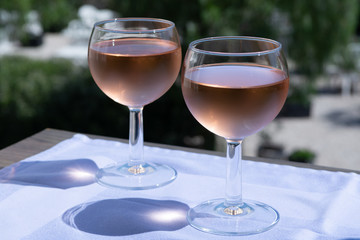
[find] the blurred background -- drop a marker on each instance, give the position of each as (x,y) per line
(45,81)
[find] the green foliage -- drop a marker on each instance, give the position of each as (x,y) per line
(238,17)
(168,120)
(186,14)
(302,155)
(38,94)
(24,83)
(33,94)
(319,31)
(300,94)
(55,14)
(19,6)
(200,18)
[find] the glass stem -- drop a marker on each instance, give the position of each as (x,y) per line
(233,174)
(136,138)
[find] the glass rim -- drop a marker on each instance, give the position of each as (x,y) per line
(134,19)
(193,44)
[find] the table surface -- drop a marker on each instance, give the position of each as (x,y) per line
(50,137)
(52,194)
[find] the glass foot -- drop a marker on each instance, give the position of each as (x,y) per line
(250,218)
(139,177)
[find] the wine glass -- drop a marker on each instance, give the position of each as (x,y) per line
(234,86)
(134,61)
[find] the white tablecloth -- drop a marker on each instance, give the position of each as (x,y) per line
(52,195)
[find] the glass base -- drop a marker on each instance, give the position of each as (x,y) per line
(139,177)
(250,218)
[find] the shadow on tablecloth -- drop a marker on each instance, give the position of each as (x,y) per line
(61,174)
(127,216)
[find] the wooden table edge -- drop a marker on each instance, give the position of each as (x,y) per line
(49,137)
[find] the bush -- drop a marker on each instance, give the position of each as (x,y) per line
(55,14)
(38,94)
(32,93)
(302,155)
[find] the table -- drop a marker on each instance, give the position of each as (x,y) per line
(37,201)
(50,137)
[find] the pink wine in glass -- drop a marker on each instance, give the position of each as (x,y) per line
(134,61)
(134,71)
(234,100)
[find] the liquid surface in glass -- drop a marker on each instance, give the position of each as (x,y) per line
(134,71)
(234,100)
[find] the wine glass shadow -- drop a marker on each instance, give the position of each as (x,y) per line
(61,174)
(127,216)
